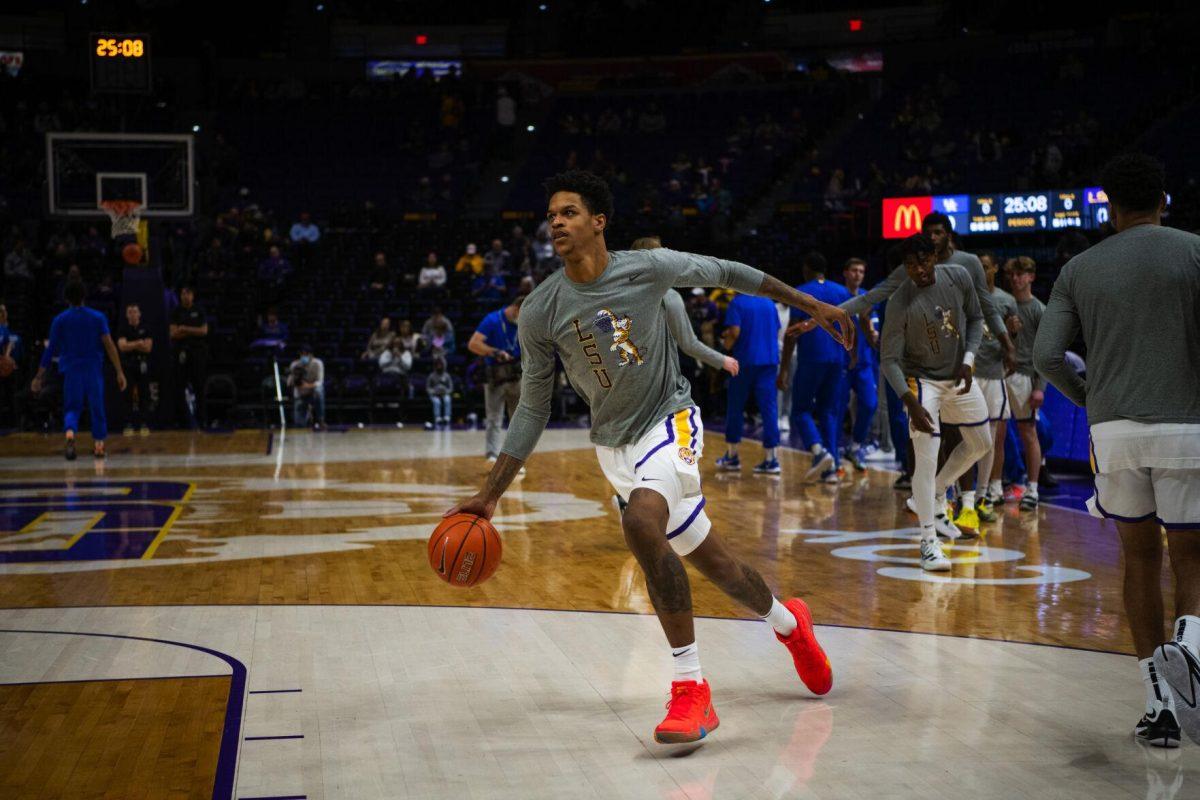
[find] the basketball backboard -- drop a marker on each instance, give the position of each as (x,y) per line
(155,169)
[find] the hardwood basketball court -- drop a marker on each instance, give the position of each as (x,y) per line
(249,615)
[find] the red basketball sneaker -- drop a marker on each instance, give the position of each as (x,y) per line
(690,714)
(811,662)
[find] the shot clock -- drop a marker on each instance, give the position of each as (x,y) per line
(120,63)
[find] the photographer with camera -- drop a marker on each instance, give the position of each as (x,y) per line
(496,340)
(306,376)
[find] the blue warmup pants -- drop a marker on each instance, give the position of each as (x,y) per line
(866,393)
(898,423)
(815,404)
(80,384)
(758,380)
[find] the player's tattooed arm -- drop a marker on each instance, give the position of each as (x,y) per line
(833,319)
(484,502)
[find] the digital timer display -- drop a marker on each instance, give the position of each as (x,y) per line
(120,63)
(120,48)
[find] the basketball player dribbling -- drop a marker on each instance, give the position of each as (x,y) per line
(603,314)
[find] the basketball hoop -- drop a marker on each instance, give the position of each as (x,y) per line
(124,215)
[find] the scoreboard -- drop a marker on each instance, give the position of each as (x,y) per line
(120,63)
(1020,212)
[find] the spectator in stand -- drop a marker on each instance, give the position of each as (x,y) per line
(396,359)
(411,340)
(272,328)
(215,261)
(381,339)
(545,260)
(439,385)
(189,337)
(381,274)
(498,258)
(520,250)
(304,235)
(272,272)
(433,275)
(135,344)
(19,265)
(10,344)
(306,376)
(470,262)
(489,288)
(438,334)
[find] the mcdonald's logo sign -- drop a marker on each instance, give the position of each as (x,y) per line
(902,215)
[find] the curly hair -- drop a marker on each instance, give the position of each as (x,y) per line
(1134,181)
(593,189)
(919,244)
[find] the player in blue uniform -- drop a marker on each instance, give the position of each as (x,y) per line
(862,374)
(79,337)
(820,364)
(752,334)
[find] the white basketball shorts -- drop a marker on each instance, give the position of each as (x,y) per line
(1147,471)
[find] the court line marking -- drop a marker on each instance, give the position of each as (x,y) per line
(273,691)
(235,706)
(162,534)
(269,738)
(575,611)
(110,680)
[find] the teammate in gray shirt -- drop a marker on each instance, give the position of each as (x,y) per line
(603,315)
(989,374)
(930,336)
(1135,297)
(1025,386)
(937,226)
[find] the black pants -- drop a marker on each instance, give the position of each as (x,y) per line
(136,397)
(192,370)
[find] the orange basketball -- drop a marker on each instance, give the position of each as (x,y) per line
(464,550)
(132,253)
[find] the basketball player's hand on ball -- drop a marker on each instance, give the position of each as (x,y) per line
(963,374)
(731,365)
(918,415)
(479,505)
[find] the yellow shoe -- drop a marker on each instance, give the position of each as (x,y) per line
(967,518)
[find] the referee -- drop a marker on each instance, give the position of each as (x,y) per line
(79,337)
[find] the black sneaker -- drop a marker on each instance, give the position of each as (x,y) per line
(903,483)
(1047,480)
(1181,669)
(70,450)
(1161,730)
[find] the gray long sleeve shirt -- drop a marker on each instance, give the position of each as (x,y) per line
(685,337)
(1030,311)
(927,332)
(614,342)
(989,361)
(1136,298)
(968,261)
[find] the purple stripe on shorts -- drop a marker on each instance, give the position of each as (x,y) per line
(691,518)
(670,438)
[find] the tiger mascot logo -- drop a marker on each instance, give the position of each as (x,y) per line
(608,322)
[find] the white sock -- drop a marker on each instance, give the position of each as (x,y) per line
(1187,633)
(817,449)
(928,534)
(996,489)
(730,450)
(770,454)
(779,618)
(1158,694)
(687,663)
(969,499)
(1031,488)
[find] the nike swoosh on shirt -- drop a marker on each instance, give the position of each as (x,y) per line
(651,479)
(634,277)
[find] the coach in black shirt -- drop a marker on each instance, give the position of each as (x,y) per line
(189,338)
(135,343)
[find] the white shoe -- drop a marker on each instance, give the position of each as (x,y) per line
(521,471)
(492,459)
(932,557)
(911,504)
(945,528)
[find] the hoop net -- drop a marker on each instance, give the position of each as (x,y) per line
(124,215)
